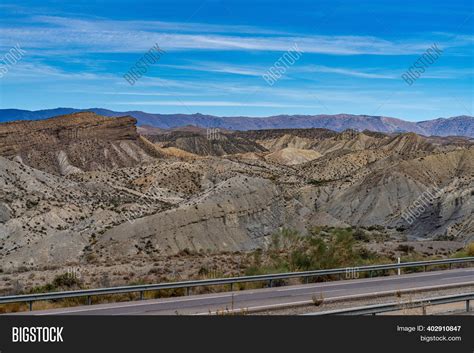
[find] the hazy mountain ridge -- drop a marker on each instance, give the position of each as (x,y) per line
(454,126)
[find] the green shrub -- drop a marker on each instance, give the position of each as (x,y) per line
(66,280)
(317,182)
(470,249)
(323,248)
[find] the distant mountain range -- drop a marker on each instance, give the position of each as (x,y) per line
(454,126)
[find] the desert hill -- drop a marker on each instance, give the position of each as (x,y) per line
(77,142)
(85,188)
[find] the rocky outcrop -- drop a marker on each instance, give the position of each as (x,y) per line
(74,143)
(206,143)
(19,136)
(4,212)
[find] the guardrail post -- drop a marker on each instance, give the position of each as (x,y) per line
(306,280)
(30,304)
(142,294)
(468,305)
(270,283)
(231,287)
(188,290)
(89,300)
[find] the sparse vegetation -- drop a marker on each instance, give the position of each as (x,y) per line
(405,248)
(328,248)
(467,251)
(64,281)
(318,300)
(317,182)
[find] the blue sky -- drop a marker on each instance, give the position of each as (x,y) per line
(353,56)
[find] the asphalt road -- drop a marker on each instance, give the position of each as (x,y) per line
(260,298)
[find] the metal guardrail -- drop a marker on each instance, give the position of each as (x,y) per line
(387,307)
(352,271)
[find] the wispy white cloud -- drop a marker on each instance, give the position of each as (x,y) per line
(158,26)
(346,72)
(103,36)
(216,104)
(368,73)
(38,70)
(153,94)
(219,67)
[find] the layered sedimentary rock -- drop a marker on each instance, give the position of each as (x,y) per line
(107,193)
(236,214)
(71,143)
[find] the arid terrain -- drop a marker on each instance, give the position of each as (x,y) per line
(462,125)
(100,192)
